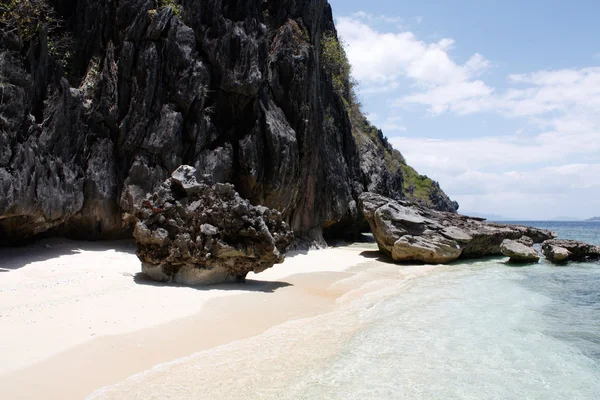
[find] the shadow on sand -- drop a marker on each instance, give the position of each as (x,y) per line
(377,255)
(249,285)
(12,258)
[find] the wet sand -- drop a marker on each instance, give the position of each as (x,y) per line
(75,316)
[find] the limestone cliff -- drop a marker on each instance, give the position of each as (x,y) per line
(101,100)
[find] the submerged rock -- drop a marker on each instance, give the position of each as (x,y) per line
(198,233)
(411,233)
(560,251)
(519,252)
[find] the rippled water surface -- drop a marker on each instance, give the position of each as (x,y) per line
(478,330)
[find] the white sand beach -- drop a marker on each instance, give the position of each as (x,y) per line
(77,316)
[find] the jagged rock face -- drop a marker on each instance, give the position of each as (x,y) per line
(410,233)
(378,178)
(237,91)
(519,252)
(197,233)
(441,201)
(560,251)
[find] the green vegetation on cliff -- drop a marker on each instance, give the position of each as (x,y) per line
(336,63)
(175,7)
(371,142)
(23,19)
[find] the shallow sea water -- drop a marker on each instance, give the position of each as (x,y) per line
(477,330)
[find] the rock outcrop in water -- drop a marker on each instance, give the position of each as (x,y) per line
(520,252)
(198,233)
(560,251)
(238,89)
(411,233)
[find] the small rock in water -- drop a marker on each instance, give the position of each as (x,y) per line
(519,252)
(561,251)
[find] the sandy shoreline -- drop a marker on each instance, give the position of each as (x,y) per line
(77,316)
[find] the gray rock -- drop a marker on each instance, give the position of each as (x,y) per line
(526,240)
(185,178)
(557,255)
(232,87)
(208,230)
(561,251)
(410,233)
(519,252)
(206,235)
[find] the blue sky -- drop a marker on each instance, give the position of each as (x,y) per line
(499,101)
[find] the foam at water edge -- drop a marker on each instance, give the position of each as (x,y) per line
(468,331)
(276,357)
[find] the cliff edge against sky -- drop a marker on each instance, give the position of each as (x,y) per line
(102,100)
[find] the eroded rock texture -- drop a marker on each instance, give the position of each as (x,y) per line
(560,251)
(520,251)
(234,88)
(410,233)
(198,233)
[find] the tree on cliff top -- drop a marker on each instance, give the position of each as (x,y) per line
(25,18)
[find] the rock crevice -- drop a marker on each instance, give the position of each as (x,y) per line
(191,231)
(411,233)
(236,89)
(561,251)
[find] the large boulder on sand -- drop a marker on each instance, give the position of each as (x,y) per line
(561,251)
(411,233)
(519,252)
(196,233)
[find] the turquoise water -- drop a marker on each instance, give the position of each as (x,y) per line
(482,330)
(585,231)
(477,330)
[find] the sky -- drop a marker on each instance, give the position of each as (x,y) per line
(499,101)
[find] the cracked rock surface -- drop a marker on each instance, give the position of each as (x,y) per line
(410,233)
(194,232)
(234,88)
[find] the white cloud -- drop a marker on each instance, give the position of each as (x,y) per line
(532,95)
(556,168)
(382,59)
(497,152)
(462,96)
(548,166)
(531,194)
(393,124)
(362,15)
(373,117)
(419,19)
(477,64)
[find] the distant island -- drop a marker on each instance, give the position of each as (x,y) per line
(594,219)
